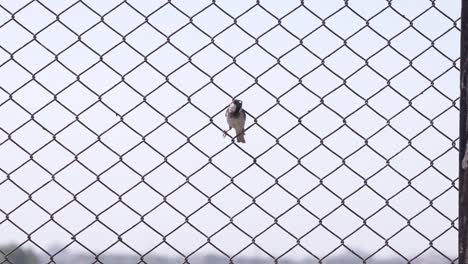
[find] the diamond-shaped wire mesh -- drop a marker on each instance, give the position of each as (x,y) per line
(112,113)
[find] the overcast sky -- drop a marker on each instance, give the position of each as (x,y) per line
(98,98)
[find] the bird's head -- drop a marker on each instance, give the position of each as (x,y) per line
(235,106)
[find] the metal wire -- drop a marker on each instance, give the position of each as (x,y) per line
(138,56)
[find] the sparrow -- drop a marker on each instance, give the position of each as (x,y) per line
(235,117)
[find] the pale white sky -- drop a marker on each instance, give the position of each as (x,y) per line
(56,63)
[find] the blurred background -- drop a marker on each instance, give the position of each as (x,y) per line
(111,124)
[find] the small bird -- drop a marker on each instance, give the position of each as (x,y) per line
(235,117)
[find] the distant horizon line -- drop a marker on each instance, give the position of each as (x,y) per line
(338,254)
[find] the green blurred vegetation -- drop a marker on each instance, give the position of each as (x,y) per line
(17,255)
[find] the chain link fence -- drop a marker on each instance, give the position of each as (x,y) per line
(111,120)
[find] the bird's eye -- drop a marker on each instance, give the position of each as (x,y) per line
(240,101)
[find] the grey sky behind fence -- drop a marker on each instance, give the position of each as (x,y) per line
(75,72)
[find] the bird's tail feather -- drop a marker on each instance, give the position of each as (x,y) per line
(240,136)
